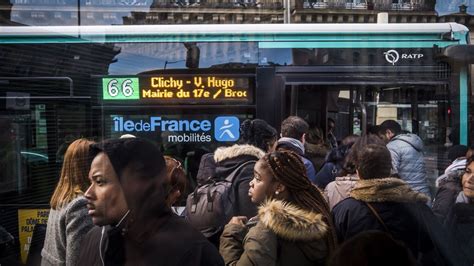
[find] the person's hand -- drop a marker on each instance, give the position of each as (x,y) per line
(240,220)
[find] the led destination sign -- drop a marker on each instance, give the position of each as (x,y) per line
(200,89)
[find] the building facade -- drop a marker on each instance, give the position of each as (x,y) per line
(113,12)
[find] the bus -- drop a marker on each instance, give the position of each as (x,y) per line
(186,87)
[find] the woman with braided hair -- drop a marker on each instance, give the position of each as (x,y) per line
(293,225)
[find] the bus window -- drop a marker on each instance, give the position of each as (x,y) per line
(13,175)
(421,110)
(316,104)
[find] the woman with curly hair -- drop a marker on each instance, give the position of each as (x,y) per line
(293,225)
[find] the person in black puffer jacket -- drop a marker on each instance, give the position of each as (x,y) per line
(255,132)
(388,204)
(257,137)
(334,162)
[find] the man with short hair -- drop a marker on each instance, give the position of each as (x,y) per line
(127,199)
(380,202)
(293,132)
(406,151)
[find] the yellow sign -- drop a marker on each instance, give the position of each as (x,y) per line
(196,88)
(27,219)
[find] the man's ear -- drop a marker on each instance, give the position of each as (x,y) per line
(389,133)
(303,138)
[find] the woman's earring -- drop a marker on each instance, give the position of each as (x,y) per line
(277,192)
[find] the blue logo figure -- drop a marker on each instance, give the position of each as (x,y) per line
(226,128)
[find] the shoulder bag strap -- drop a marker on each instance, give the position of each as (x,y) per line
(375,213)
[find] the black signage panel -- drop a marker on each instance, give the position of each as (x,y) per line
(180,89)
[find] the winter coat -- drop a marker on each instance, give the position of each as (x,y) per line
(297,147)
(172,242)
(405,214)
(456,167)
(282,234)
(332,166)
(149,233)
(65,231)
(227,160)
(339,189)
(408,161)
(449,188)
(207,168)
(460,223)
(316,153)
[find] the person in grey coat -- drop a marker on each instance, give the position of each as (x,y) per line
(406,151)
(68,221)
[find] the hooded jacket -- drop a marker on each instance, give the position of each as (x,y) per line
(449,188)
(227,160)
(332,166)
(282,234)
(404,213)
(408,161)
(149,233)
(339,189)
(456,167)
(207,168)
(172,242)
(297,147)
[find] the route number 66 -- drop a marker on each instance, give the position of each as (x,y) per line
(127,90)
(120,88)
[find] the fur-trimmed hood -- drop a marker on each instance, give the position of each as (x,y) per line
(386,190)
(223,153)
(290,222)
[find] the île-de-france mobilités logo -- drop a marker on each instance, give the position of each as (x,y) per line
(226,128)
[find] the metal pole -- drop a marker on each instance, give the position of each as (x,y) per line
(287,11)
(79,13)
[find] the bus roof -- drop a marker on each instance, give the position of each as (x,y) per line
(236,29)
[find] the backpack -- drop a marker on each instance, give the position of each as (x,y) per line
(211,206)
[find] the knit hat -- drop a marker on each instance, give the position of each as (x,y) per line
(456,151)
(123,152)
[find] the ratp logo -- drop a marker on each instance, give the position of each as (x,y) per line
(226,128)
(391,56)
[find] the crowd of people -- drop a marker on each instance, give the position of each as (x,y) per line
(300,197)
